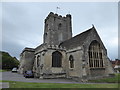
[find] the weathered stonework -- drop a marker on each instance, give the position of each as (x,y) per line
(81,57)
(26,60)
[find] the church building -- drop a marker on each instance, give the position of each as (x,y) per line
(83,56)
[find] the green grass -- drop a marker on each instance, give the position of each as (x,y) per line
(111,83)
(14,84)
(1,70)
(115,79)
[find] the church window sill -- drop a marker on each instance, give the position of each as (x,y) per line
(100,68)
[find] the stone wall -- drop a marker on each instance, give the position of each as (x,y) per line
(107,69)
(47,71)
(53,72)
(76,71)
(57,29)
(26,60)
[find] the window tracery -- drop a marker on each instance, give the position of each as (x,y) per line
(95,55)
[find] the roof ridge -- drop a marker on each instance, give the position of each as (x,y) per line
(77,40)
(78,34)
(84,32)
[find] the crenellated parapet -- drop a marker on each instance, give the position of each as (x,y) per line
(57,47)
(51,14)
(42,48)
(57,29)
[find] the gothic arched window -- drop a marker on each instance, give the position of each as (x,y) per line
(71,61)
(38,60)
(56,59)
(95,55)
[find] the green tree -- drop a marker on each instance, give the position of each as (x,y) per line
(8,62)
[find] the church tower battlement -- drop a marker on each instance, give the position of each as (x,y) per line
(57,29)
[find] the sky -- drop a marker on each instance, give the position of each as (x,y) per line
(23,23)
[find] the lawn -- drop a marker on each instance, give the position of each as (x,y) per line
(111,83)
(115,79)
(14,84)
(1,70)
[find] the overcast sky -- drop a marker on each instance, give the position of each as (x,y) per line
(23,23)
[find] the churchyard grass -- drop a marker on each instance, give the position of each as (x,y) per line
(100,83)
(14,84)
(1,70)
(115,79)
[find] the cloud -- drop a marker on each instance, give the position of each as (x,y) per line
(23,23)
(13,48)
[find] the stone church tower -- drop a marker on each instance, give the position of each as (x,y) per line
(57,29)
(83,56)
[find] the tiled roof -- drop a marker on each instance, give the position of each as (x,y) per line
(77,40)
(116,62)
(40,46)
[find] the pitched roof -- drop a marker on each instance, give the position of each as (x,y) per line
(116,62)
(77,40)
(28,49)
(40,46)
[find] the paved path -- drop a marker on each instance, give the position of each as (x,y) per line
(18,77)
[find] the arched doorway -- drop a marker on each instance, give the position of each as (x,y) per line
(56,59)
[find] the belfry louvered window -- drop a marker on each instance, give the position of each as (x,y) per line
(95,55)
(56,59)
(60,26)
